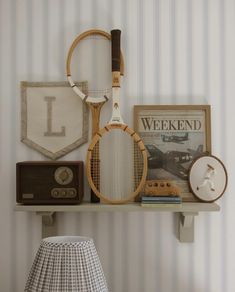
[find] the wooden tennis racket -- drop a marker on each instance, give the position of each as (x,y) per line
(89,59)
(122,165)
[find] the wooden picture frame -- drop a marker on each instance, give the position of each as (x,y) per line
(174,135)
(208,178)
(54,121)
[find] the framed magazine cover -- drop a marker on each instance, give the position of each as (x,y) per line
(174,135)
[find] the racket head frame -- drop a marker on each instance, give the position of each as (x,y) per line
(75,88)
(96,139)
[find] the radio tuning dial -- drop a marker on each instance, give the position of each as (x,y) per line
(63,175)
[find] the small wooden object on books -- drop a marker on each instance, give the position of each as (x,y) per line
(160,188)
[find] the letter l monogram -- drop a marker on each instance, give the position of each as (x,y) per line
(49,132)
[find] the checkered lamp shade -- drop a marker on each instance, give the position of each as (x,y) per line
(66,263)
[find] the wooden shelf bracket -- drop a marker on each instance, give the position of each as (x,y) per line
(49,226)
(186,226)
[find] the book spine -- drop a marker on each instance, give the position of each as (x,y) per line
(160,202)
(161,199)
(161,205)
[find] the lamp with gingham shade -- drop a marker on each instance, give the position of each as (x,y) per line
(66,263)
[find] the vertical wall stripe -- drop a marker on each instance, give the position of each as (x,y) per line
(156,57)
(190,280)
(140,83)
(189,52)
(126,274)
(125,49)
(45,40)
(94,13)
(29,54)
(1,88)
(173,38)
(77,18)
(140,51)
(34,46)
(110,250)
(158,275)
(94,23)
(157,100)
(61,40)
(30,59)
(173,93)
(12,124)
(206,51)
(223,106)
(110,223)
(207,96)
(94,216)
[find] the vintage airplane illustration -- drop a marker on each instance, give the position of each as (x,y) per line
(198,152)
(172,161)
(175,138)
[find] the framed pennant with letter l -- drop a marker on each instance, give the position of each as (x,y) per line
(53,120)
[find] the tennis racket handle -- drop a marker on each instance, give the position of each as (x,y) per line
(94,198)
(116,44)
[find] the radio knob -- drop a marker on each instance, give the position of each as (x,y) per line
(63,193)
(55,193)
(72,193)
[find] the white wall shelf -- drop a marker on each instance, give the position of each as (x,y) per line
(186,212)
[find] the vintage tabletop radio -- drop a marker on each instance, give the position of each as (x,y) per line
(49,182)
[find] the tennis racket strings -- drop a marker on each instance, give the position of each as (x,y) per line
(90,61)
(121,165)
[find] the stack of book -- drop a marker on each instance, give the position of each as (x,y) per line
(157,201)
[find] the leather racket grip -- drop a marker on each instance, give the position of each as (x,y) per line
(94,198)
(116,45)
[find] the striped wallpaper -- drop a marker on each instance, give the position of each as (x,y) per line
(176,52)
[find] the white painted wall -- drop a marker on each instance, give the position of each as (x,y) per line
(176,52)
